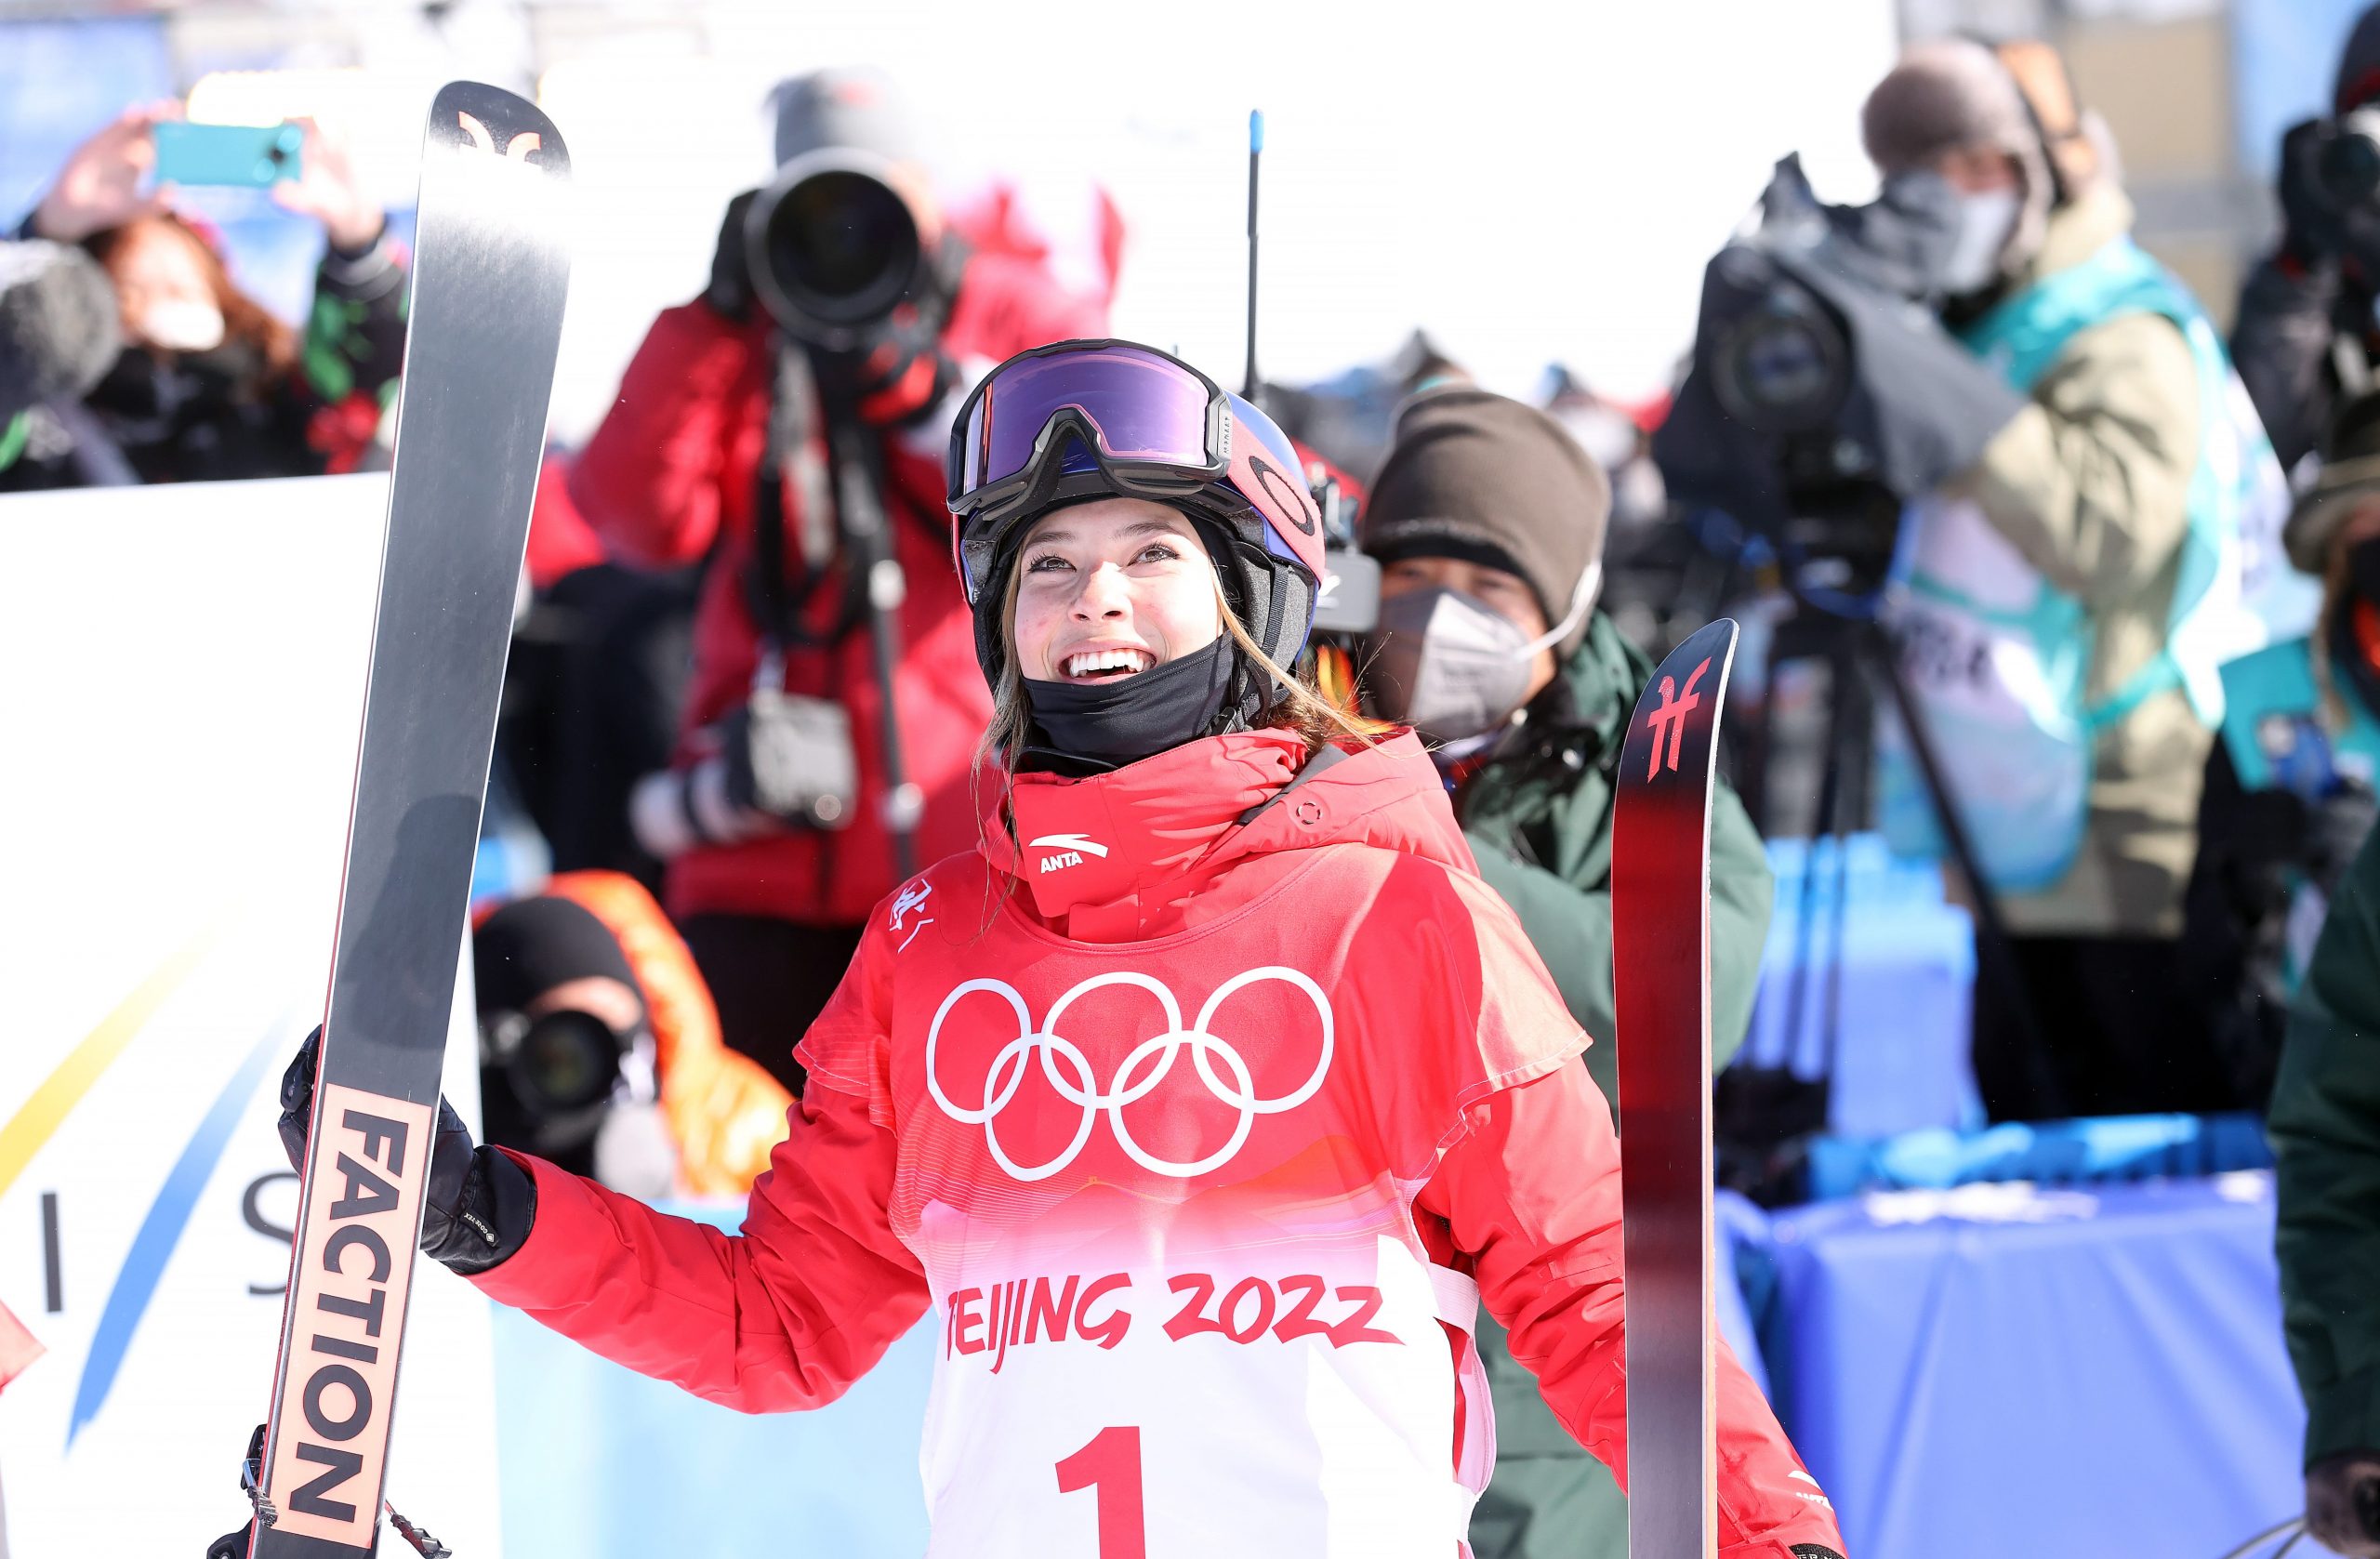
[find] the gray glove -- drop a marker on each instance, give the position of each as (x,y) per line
(479,1205)
(2342,1503)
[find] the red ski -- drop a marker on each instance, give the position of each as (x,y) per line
(1660,946)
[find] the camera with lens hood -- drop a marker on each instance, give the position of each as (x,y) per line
(558,1072)
(1823,393)
(834,248)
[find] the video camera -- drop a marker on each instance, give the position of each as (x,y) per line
(1823,392)
(834,248)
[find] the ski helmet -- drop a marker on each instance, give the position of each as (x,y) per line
(1087,419)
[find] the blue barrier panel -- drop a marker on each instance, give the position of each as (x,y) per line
(598,1463)
(2065,1374)
(1896,989)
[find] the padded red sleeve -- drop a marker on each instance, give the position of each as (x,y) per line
(653,479)
(784,1315)
(1532,1194)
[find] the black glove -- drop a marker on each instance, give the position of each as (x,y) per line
(479,1205)
(789,757)
(2342,1503)
(730,273)
(2314,230)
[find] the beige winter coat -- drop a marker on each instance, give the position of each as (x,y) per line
(2090,483)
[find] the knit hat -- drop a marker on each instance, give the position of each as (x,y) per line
(2348,480)
(1490,481)
(855,108)
(531,945)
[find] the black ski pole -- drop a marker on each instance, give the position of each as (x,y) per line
(1255,155)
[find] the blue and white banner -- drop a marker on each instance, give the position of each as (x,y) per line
(183,693)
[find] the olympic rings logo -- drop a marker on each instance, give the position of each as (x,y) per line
(1148,1064)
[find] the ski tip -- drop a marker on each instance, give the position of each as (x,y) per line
(1255,130)
(473,115)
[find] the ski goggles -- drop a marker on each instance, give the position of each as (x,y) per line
(1150,424)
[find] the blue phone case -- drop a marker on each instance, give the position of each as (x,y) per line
(254,155)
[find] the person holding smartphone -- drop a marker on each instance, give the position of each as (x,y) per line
(208,384)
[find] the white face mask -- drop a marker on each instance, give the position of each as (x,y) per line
(183,324)
(1985,223)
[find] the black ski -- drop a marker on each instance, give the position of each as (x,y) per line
(1661,945)
(489,275)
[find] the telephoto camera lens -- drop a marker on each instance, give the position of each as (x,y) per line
(561,1061)
(1782,368)
(2349,167)
(834,248)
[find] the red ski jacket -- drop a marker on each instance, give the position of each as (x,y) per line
(673,471)
(1203,1110)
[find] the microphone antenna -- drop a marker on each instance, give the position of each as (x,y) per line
(1255,155)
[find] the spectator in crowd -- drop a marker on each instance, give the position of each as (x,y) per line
(1348,420)
(209,385)
(58,334)
(2289,787)
(2325,1130)
(1487,520)
(600,1048)
(772,869)
(2053,589)
(2308,306)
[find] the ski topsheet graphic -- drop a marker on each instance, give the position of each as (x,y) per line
(1661,944)
(489,275)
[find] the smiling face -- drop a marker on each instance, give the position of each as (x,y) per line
(1107,589)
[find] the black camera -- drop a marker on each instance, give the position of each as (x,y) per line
(559,1070)
(1823,391)
(834,248)
(2347,159)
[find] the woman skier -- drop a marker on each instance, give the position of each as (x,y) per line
(1203,1104)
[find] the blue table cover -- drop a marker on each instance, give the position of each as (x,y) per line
(2000,1369)
(1898,986)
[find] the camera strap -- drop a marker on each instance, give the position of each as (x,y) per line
(790,458)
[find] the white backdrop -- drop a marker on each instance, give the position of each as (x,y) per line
(182,682)
(1529,182)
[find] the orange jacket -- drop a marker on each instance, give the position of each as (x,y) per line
(723,1108)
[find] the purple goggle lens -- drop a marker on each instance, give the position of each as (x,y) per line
(1141,407)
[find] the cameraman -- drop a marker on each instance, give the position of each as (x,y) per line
(717,447)
(2307,312)
(2046,586)
(1487,520)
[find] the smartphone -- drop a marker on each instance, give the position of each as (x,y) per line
(254,155)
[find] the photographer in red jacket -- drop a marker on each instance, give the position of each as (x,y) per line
(790,425)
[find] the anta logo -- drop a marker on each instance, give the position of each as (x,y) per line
(1070,848)
(1219,1070)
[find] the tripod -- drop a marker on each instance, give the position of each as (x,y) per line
(1763,1109)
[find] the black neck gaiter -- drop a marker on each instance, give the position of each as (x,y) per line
(1132,717)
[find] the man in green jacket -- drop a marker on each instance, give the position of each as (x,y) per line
(1487,521)
(2325,1130)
